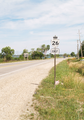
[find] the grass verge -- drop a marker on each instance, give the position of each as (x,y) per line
(65,101)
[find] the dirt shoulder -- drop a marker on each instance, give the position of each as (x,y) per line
(16,90)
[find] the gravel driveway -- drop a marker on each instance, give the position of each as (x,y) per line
(16,90)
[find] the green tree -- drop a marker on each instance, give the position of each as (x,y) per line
(45,48)
(24,51)
(37,55)
(72,54)
(48,47)
(64,55)
(32,49)
(51,55)
(1,55)
(82,49)
(21,57)
(7,52)
(38,49)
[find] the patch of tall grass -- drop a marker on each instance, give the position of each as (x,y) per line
(64,101)
(77,66)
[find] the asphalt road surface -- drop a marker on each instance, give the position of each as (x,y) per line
(8,68)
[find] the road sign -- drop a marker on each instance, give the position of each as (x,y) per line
(55,42)
(25,54)
(55,51)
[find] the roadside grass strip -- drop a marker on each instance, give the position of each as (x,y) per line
(63,102)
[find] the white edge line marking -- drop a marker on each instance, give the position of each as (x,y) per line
(22,69)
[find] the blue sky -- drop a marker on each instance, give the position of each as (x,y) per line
(26,24)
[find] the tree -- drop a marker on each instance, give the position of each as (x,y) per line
(64,55)
(72,54)
(37,55)
(45,48)
(82,49)
(1,56)
(48,47)
(32,50)
(38,49)
(7,52)
(25,51)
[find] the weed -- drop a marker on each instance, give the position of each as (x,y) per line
(60,103)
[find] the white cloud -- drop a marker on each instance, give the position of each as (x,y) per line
(45,13)
(31,32)
(23,15)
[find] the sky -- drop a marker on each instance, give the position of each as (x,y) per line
(26,24)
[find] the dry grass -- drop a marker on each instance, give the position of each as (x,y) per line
(77,66)
(63,102)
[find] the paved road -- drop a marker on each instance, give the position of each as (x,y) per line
(8,68)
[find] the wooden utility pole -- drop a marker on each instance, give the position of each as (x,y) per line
(77,50)
(80,43)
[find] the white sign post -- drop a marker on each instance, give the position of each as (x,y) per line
(55,50)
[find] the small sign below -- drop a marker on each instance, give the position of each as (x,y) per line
(55,51)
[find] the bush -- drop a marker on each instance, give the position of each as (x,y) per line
(37,55)
(21,57)
(8,57)
(1,60)
(81,70)
(29,57)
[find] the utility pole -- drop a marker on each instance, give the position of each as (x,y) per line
(80,43)
(77,50)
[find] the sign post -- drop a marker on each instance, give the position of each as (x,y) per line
(55,50)
(54,68)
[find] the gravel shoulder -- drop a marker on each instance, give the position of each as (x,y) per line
(16,90)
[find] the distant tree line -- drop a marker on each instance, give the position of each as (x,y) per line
(79,52)
(72,54)
(7,53)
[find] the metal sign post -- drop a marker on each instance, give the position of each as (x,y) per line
(55,50)
(54,68)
